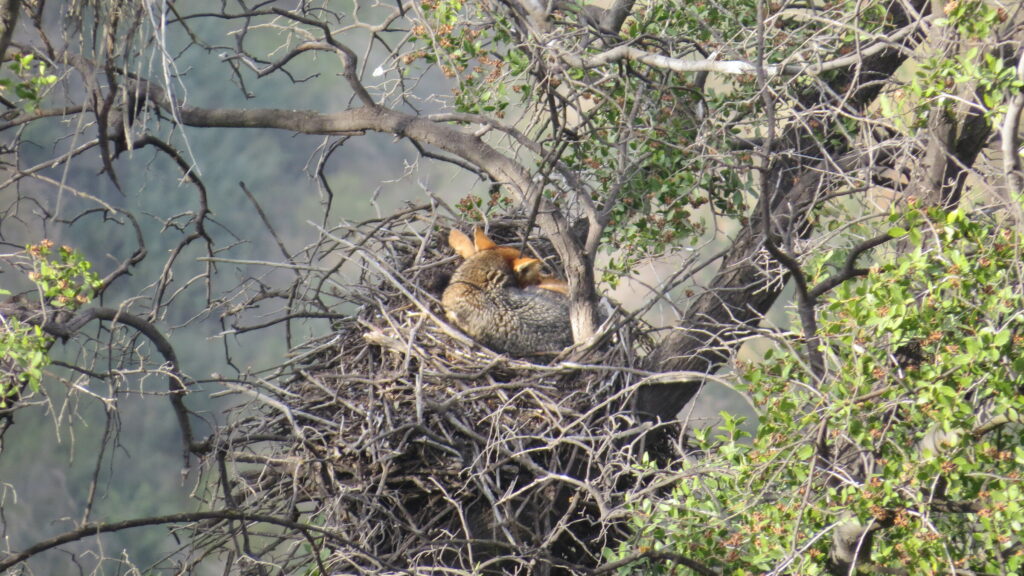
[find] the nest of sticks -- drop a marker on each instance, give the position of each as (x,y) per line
(418,450)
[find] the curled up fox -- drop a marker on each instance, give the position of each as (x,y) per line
(503,300)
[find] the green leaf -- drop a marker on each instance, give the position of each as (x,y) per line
(805,452)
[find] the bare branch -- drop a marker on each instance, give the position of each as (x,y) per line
(1011,138)
(91,529)
(739,67)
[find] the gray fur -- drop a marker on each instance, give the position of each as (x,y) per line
(484,301)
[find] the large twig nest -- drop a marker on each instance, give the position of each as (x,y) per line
(419,447)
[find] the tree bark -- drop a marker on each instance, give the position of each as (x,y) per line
(9,10)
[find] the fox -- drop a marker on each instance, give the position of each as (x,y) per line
(504,301)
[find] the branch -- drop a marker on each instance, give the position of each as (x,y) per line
(488,123)
(189,174)
(176,381)
(348,57)
(91,529)
(1010,141)
(739,67)
(629,52)
(138,255)
(656,555)
(9,10)
(994,424)
(806,303)
(957,507)
(849,271)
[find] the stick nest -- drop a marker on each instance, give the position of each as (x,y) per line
(418,450)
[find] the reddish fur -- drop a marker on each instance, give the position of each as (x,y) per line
(527,270)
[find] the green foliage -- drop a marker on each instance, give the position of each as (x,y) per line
(66,281)
(973,19)
(925,380)
(464,51)
(939,77)
(942,76)
(66,278)
(29,82)
(24,349)
(477,209)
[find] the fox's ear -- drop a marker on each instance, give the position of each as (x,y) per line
(482,241)
(526,265)
(461,243)
(527,271)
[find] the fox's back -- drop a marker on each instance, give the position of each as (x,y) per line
(484,301)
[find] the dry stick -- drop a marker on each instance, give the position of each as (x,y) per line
(126,265)
(190,175)
(176,381)
(266,222)
(96,528)
(94,480)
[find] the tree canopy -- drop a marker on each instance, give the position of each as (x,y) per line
(236,214)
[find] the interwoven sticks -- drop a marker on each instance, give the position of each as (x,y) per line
(417,447)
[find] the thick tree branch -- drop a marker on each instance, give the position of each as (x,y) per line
(9,10)
(1011,139)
